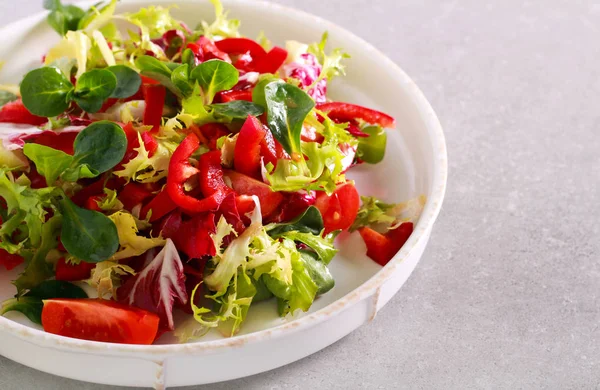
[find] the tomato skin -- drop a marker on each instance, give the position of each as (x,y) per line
(71,272)
(382,248)
(245,185)
(99,320)
(339,209)
(246,158)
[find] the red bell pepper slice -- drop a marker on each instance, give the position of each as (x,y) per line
(180,170)
(246,158)
(73,272)
(154,96)
(133,194)
(241,46)
(15,112)
(211,51)
(160,205)
(9,260)
(271,150)
(211,133)
(211,175)
(228,96)
(272,61)
(150,143)
(348,112)
(382,248)
(245,185)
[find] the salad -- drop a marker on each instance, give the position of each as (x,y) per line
(168,168)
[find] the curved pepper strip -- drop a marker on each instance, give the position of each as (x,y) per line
(347,112)
(180,170)
(241,46)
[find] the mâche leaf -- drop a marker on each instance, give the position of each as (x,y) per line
(128,81)
(46,91)
(93,88)
(88,235)
(215,76)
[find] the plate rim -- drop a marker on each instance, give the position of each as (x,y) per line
(429,215)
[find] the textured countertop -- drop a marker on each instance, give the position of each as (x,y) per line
(507,294)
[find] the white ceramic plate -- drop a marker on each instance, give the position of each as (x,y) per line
(415,164)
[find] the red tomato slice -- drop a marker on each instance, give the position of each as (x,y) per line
(339,209)
(99,320)
(245,185)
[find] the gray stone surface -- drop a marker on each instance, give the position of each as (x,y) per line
(508,292)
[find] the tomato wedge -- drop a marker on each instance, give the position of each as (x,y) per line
(99,320)
(245,185)
(339,209)
(349,112)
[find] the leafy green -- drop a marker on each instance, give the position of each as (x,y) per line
(236,109)
(31,304)
(93,87)
(310,221)
(318,272)
(371,149)
(129,242)
(300,294)
(49,162)
(7,97)
(287,107)
(100,146)
(373,211)
(26,211)
(46,91)
(157,20)
(215,76)
(106,278)
(145,169)
(63,18)
(86,234)
(331,63)
(222,27)
(180,78)
(96,18)
(157,70)
(323,246)
(72,51)
(384,216)
(322,170)
(37,269)
(128,81)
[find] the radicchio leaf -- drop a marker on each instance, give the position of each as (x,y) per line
(158,285)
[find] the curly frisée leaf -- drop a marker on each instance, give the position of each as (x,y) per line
(222,27)
(158,285)
(106,278)
(145,169)
(130,243)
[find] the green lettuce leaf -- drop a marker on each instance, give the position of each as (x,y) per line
(331,63)
(221,27)
(384,216)
(156,19)
(145,169)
